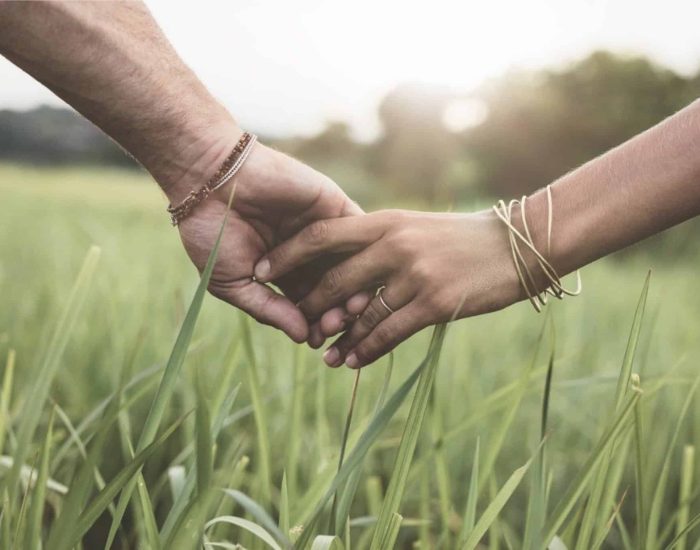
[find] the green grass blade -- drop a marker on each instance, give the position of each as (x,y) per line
(349,490)
(402,462)
(205,446)
(5,396)
(259,514)
(412,427)
(495,506)
(639,469)
(36,509)
(179,507)
(170,375)
(687,468)
(335,527)
(48,367)
(604,533)
(595,513)
(500,432)
(376,426)
(472,498)
(656,507)
(580,481)
(264,477)
(692,524)
(249,526)
(99,504)
(83,479)
(284,524)
(327,542)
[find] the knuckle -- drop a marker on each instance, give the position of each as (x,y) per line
(371,317)
(382,337)
(422,271)
(316,233)
(332,282)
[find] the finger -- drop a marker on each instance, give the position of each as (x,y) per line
(386,336)
(338,319)
(316,338)
(388,303)
(366,269)
(321,237)
(265,306)
(334,321)
(356,304)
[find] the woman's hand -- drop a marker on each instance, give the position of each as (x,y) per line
(434,267)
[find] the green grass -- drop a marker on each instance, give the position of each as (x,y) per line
(242,444)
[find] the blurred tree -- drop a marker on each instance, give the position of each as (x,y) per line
(415,152)
(48,135)
(543,124)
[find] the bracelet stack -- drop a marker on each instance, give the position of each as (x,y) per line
(537,298)
(228,169)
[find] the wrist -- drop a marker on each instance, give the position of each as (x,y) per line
(196,158)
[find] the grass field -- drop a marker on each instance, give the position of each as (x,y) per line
(615,470)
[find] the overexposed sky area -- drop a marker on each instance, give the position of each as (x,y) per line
(285,67)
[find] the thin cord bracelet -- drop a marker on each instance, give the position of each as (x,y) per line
(538,299)
(226,171)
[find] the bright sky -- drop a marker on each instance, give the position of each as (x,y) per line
(285,67)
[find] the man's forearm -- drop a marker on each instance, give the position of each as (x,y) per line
(112,63)
(646,185)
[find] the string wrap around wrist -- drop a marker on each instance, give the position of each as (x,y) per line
(225,173)
(538,298)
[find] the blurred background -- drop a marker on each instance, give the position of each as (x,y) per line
(433,105)
(440,105)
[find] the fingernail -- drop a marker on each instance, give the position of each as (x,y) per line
(352,361)
(262,270)
(331,356)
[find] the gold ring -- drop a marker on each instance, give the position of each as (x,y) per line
(381,299)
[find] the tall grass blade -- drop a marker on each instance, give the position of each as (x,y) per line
(495,506)
(327,542)
(264,476)
(48,366)
(36,509)
(170,375)
(472,497)
(684,494)
(402,462)
(179,507)
(376,426)
(595,513)
(284,521)
(99,504)
(249,526)
(343,445)
(659,492)
(204,443)
(259,514)
(578,485)
(348,491)
(5,396)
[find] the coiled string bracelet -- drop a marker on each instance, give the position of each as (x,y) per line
(228,169)
(538,299)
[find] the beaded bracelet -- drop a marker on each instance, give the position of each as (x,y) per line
(228,169)
(538,299)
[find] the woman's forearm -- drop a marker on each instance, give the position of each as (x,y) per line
(112,63)
(646,185)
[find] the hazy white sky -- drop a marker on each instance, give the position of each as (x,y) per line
(285,67)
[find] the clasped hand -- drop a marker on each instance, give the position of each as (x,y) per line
(431,268)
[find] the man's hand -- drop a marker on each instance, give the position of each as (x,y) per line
(112,63)
(275,196)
